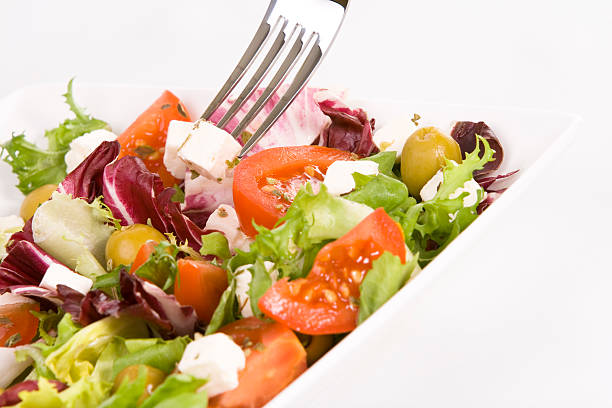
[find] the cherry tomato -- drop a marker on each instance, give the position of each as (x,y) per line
(266,183)
(34,199)
(200,284)
(17,325)
(146,137)
(324,301)
(124,245)
(143,255)
(153,378)
(275,357)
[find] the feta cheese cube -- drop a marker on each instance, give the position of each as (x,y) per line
(177,134)
(208,150)
(58,274)
(339,177)
(216,358)
(225,220)
(392,136)
(83,146)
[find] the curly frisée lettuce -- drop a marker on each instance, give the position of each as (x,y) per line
(35,166)
(430,226)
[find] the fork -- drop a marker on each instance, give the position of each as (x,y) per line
(300,30)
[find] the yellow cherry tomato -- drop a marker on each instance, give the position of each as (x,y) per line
(423,155)
(34,199)
(154,377)
(123,245)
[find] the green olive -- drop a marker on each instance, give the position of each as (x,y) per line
(34,199)
(423,155)
(154,377)
(317,346)
(123,245)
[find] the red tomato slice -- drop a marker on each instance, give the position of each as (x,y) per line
(200,284)
(146,137)
(275,357)
(266,183)
(323,302)
(17,325)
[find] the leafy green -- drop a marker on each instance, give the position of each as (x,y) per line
(178,390)
(74,232)
(441,219)
(76,358)
(128,393)
(386,161)
(379,191)
(260,283)
(158,353)
(226,311)
(109,280)
(161,267)
(36,167)
(179,195)
(215,244)
(387,276)
(311,220)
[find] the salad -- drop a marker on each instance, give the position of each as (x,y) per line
(153,268)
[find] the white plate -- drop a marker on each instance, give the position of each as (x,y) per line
(530,138)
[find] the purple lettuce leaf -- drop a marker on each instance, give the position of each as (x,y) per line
(140,298)
(137,196)
(350,130)
(25,234)
(11,395)
(465,132)
(86,180)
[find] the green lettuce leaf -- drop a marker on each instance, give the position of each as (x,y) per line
(226,311)
(76,358)
(161,268)
(178,390)
(35,166)
(387,276)
(386,161)
(155,352)
(260,283)
(441,219)
(379,191)
(215,244)
(128,393)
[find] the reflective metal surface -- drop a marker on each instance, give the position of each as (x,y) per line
(279,47)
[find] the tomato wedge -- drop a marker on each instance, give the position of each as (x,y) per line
(146,137)
(275,357)
(17,325)
(200,284)
(266,183)
(143,255)
(324,301)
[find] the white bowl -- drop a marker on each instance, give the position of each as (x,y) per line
(530,138)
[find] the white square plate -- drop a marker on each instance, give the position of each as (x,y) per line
(530,138)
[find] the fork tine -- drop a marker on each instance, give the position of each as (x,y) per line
(245,62)
(271,57)
(306,70)
(292,57)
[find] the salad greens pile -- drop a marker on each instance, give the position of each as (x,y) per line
(35,166)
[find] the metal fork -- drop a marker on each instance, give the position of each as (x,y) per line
(301,31)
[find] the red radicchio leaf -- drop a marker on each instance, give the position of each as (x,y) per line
(25,234)
(350,129)
(491,196)
(465,133)
(86,180)
(11,395)
(25,264)
(486,182)
(135,195)
(140,298)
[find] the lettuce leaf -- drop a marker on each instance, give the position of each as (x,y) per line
(215,244)
(161,267)
(178,390)
(387,276)
(379,191)
(158,353)
(226,311)
(36,167)
(430,226)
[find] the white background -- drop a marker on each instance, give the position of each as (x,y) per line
(553,54)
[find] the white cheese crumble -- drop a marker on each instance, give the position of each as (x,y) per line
(58,274)
(208,150)
(225,220)
(83,146)
(177,134)
(9,366)
(392,136)
(216,358)
(339,177)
